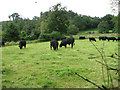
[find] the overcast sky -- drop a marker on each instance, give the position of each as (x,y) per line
(31,8)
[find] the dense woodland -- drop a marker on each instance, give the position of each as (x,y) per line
(54,24)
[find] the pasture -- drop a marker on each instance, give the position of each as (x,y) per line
(39,67)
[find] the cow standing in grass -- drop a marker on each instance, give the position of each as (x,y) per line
(92,39)
(2,43)
(22,43)
(112,38)
(118,39)
(103,38)
(81,38)
(67,41)
(54,44)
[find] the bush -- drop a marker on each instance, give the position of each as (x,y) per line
(103,27)
(56,35)
(44,37)
(30,37)
(50,36)
(23,35)
(72,30)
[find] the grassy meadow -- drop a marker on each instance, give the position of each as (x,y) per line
(39,67)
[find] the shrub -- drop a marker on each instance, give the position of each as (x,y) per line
(56,35)
(72,30)
(50,36)
(44,37)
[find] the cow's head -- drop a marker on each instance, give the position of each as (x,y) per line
(20,45)
(54,48)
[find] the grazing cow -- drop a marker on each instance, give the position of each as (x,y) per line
(102,38)
(67,41)
(22,43)
(92,39)
(63,38)
(54,44)
(118,39)
(81,37)
(2,43)
(111,38)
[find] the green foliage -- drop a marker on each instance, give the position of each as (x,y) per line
(43,27)
(78,22)
(56,35)
(11,33)
(44,37)
(14,16)
(72,29)
(115,20)
(51,36)
(103,27)
(23,35)
(72,14)
(58,19)
(84,22)
(109,18)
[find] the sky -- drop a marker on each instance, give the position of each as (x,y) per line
(31,8)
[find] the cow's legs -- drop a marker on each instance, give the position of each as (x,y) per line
(25,46)
(72,45)
(51,47)
(65,46)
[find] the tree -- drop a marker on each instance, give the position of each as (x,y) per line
(14,16)
(72,14)
(72,29)
(79,22)
(11,33)
(103,27)
(95,22)
(108,18)
(58,19)
(23,35)
(115,20)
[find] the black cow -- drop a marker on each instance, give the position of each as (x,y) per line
(92,39)
(81,37)
(63,38)
(103,38)
(67,41)
(118,39)
(2,43)
(22,43)
(111,38)
(54,44)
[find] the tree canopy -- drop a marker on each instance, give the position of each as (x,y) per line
(57,19)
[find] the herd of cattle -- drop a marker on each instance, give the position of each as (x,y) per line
(102,38)
(65,41)
(54,43)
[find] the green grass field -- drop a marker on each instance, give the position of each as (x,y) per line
(88,31)
(39,67)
